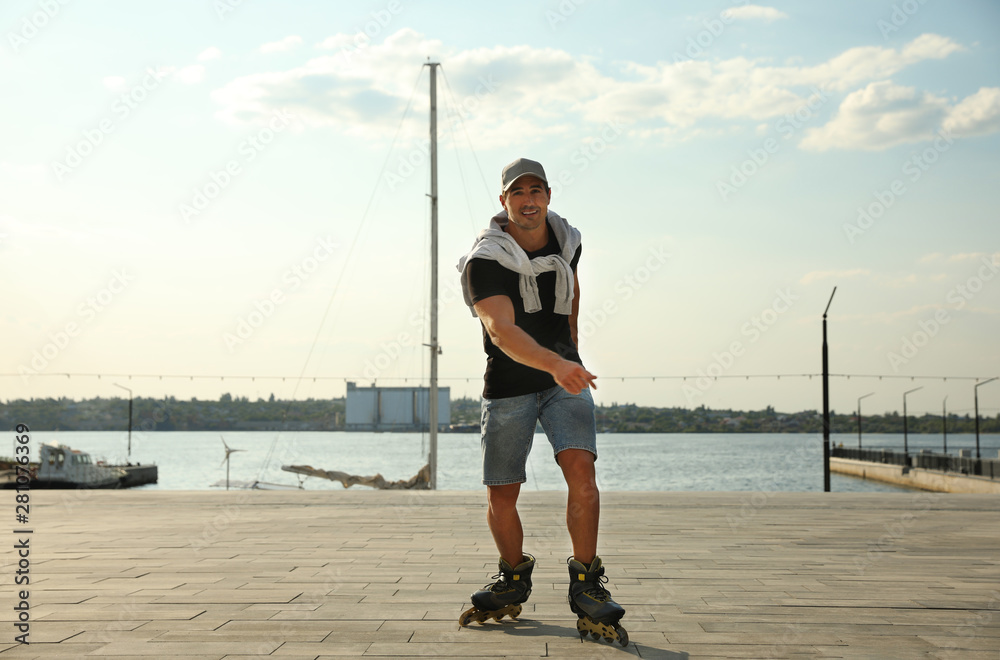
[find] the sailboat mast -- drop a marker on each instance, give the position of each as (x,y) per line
(432,416)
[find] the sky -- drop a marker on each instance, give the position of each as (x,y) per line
(231,196)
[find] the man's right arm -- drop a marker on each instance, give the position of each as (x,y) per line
(497,315)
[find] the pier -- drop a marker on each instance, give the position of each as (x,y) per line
(361,573)
(926,470)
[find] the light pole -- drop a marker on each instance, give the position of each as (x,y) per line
(859,417)
(826,402)
(129,418)
(906,447)
(975,391)
(944,422)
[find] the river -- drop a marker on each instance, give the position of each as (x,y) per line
(627,462)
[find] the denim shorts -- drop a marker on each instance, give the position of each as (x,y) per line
(508,429)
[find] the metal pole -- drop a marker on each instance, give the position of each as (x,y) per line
(129,419)
(906,446)
(826,402)
(975,391)
(859,417)
(944,422)
(130,426)
(433,398)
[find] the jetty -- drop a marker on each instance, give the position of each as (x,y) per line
(322,574)
(925,470)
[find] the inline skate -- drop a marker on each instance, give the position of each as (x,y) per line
(503,597)
(591,602)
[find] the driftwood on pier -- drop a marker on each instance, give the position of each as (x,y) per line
(421,481)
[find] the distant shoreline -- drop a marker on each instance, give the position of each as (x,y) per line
(241,414)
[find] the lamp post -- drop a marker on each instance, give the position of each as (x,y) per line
(944,422)
(826,402)
(975,391)
(906,446)
(129,418)
(859,417)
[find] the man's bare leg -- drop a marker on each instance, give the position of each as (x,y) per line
(583,505)
(505,523)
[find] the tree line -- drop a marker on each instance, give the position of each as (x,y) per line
(230,413)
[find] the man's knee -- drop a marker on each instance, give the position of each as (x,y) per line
(503,498)
(576,463)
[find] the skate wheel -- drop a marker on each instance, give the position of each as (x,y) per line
(610,632)
(513,611)
(467,617)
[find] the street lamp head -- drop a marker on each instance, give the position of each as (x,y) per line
(976,386)
(830,301)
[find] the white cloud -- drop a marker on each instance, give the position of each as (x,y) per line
(862,64)
(191,75)
(114,83)
(819,275)
(880,116)
(363,90)
(967,256)
(756,12)
(884,317)
(24,232)
(884,115)
(212,53)
(977,114)
(288,43)
(919,311)
(901,281)
(35,173)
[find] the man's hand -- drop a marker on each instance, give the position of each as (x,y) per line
(572,377)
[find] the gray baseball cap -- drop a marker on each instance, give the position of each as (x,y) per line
(522,167)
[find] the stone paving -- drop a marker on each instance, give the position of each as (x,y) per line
(362,573)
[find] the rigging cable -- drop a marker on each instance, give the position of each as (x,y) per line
(465,130)
(347,260)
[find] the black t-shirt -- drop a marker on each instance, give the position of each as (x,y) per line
(506,377)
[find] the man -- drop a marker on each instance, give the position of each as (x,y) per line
(520,280)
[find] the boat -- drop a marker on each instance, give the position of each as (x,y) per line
(61,466)
(136,474)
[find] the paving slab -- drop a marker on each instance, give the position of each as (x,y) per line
(361,573)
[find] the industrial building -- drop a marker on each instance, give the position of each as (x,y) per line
(394,408)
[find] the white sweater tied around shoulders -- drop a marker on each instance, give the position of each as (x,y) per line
(496,244)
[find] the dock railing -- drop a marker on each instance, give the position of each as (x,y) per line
(925,459)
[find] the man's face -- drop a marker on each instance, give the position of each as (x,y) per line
(527,202)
